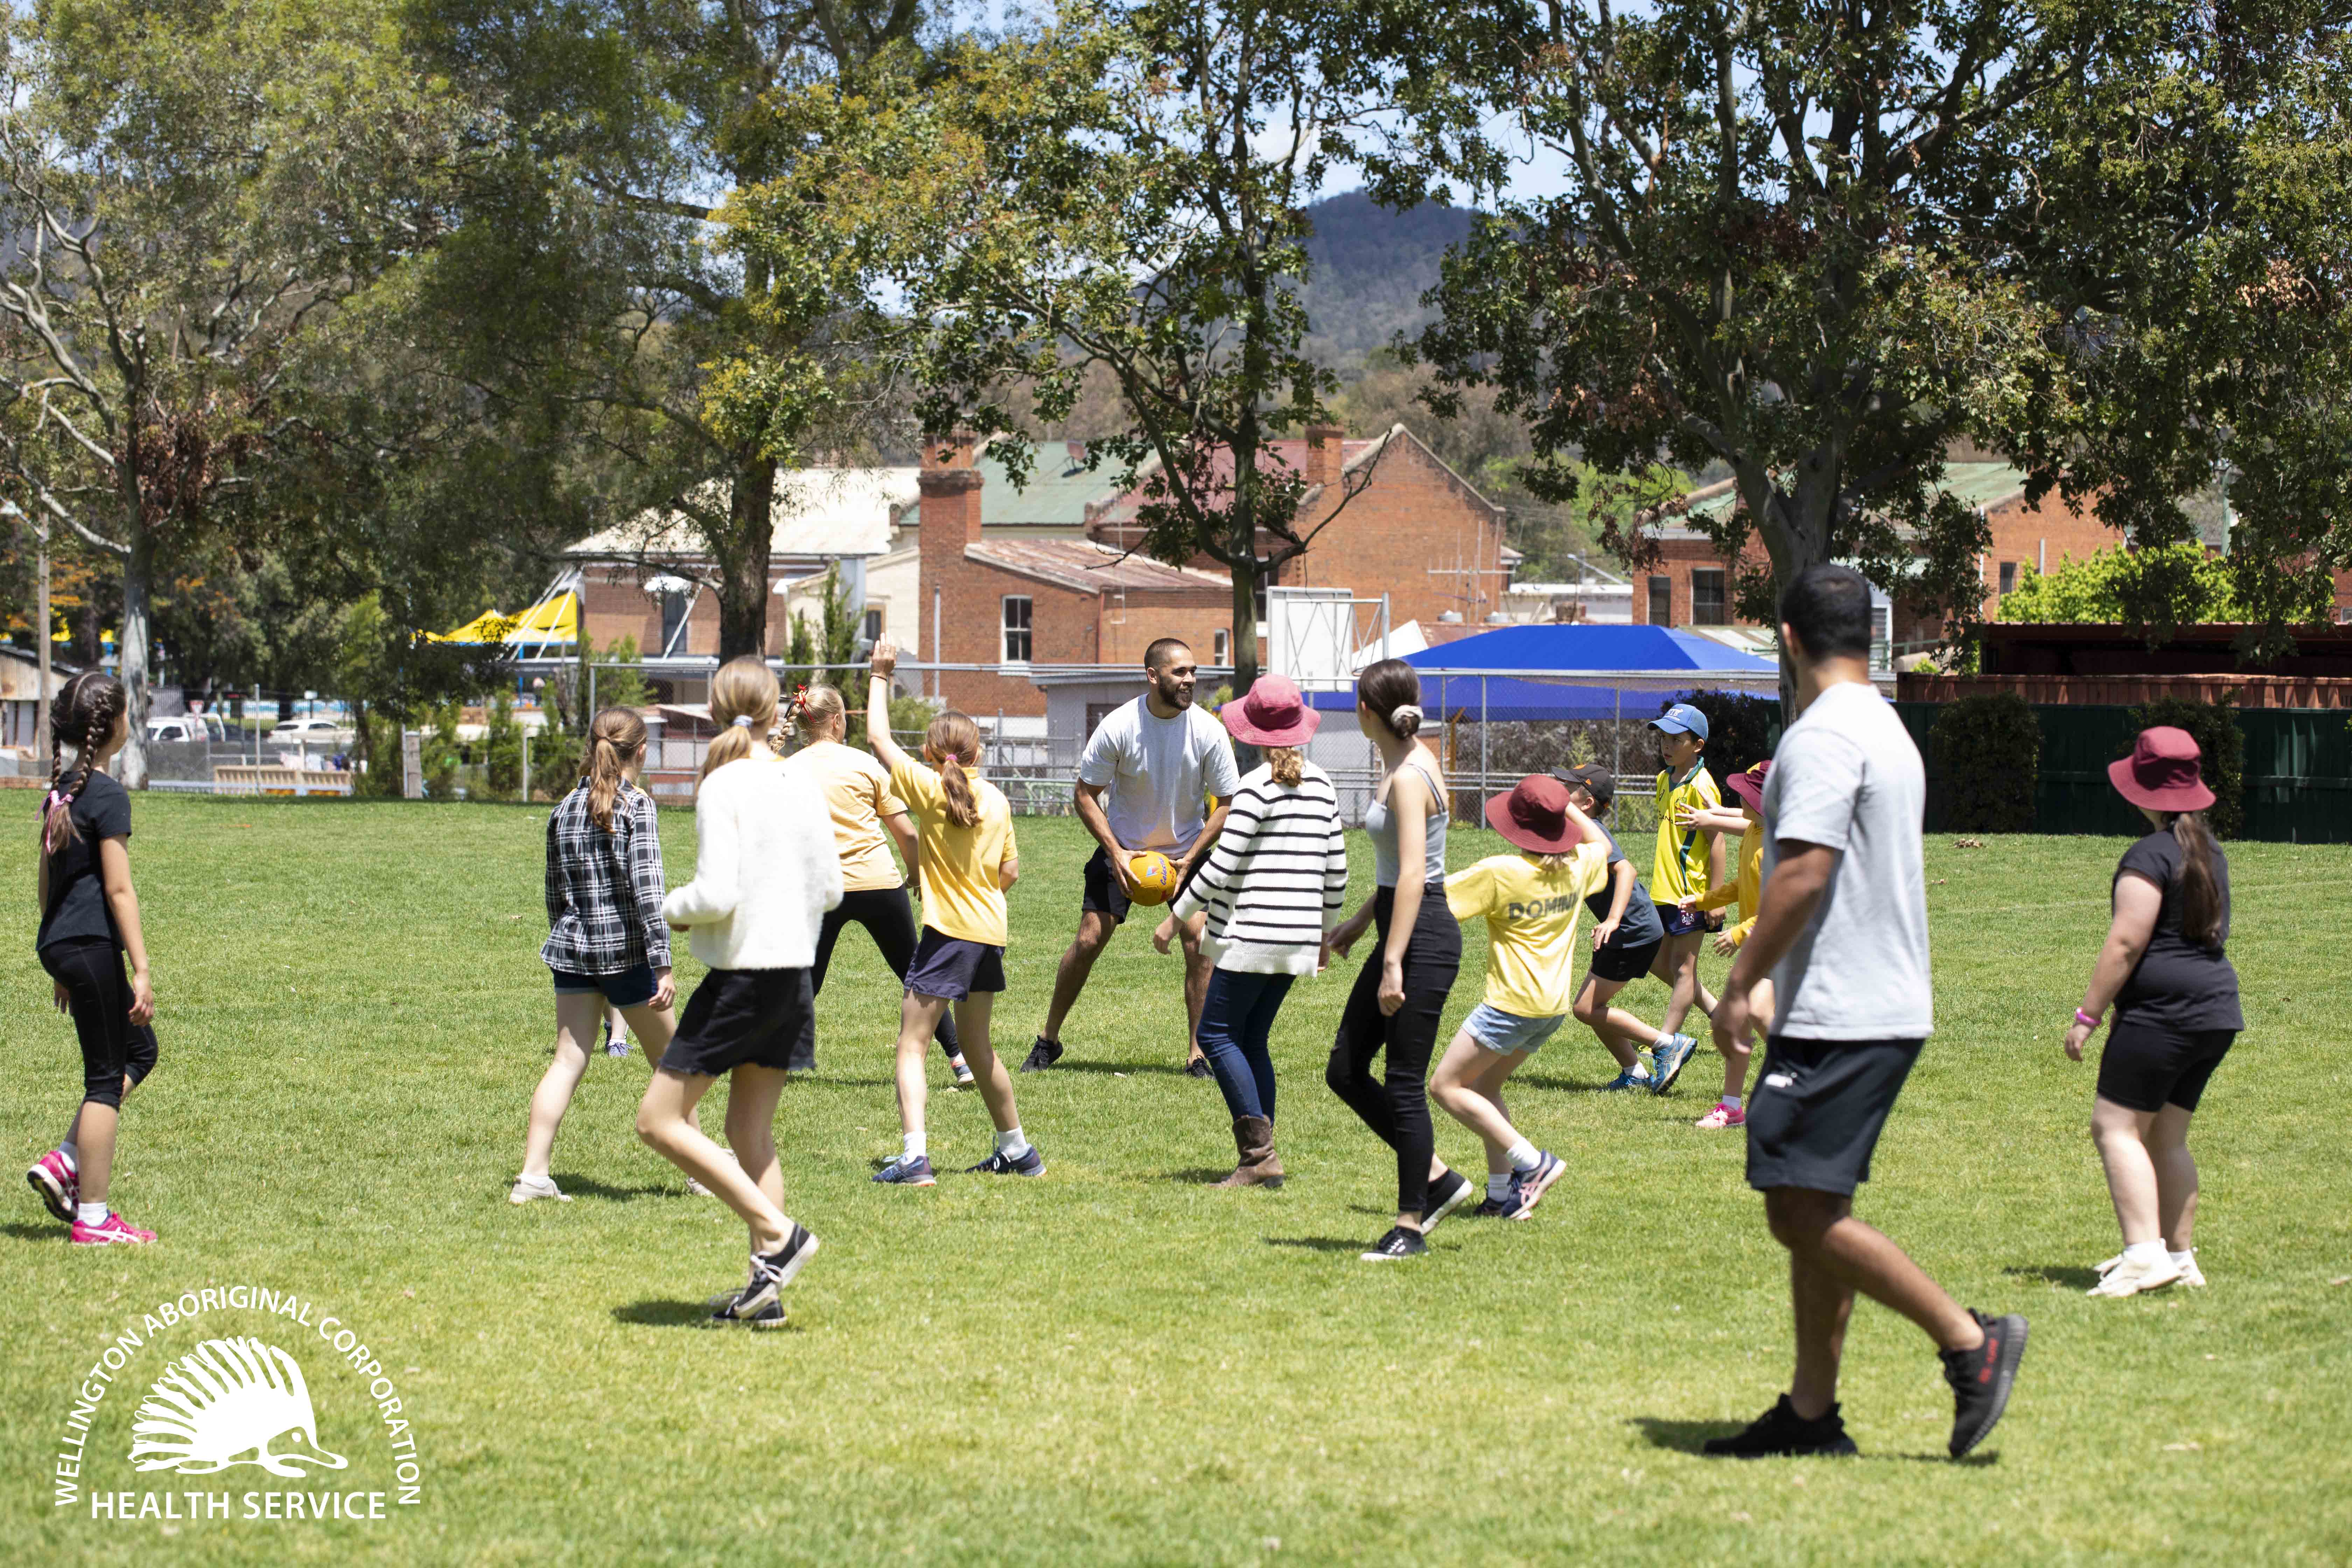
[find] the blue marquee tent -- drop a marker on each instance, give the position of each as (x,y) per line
(1595,652)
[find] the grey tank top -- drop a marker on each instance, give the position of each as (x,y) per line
(1380,827)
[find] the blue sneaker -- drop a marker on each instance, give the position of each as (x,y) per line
(1527,1187)
(1667,1062)
(907,1172)
(1028,1162)
(1629,1079)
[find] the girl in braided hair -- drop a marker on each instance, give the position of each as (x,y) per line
(90,924)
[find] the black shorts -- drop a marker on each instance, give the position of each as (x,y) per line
(1106,894)
(97,994)
(1680,924)
(1818,1109)
(739,1018)
(629,988)
(951,968)
(1620,965)
(2147,1068)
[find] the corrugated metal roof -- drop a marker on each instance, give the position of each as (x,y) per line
(1055,496)
(1091,568)
(1976,485)
(817,513)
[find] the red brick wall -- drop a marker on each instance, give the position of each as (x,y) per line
(617,605)
(1196,616)
(2041,538)
(1411,518)
(1676,560)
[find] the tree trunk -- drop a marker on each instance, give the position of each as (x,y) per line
(138,571)
(743,562)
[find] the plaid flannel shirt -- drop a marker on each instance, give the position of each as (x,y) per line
(605,889)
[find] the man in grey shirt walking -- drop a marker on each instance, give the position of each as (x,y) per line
(1842,932)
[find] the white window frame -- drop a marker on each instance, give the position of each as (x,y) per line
(1027,629)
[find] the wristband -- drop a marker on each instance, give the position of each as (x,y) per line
(2085,1019)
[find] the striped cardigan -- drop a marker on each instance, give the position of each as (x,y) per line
(1275,877)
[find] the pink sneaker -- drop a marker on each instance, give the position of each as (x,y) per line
(1721,1117)
(114,1229)
(57,1183)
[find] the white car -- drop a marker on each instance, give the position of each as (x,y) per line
(186,727)
(311,729)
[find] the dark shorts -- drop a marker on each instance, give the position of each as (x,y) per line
(952,968)
(1818,1109)
(1106,894)
(2145,1068)
(739,1018)
(1680,924)
(629,988)
(97,994)
(1620,965)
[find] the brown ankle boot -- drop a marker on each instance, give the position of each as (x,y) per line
(1254,1142)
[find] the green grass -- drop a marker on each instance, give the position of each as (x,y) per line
(1116,1363)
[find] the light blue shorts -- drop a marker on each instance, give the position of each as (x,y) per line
(1507,1034)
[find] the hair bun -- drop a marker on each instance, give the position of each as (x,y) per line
(1405,720)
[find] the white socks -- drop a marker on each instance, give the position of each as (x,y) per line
(1732,1103)
(2184,1258)
(72,1157)
(1011,1144)
(2145,1254)
(1498,1184)
(918,1147)
(90,1214)
(1523,1156)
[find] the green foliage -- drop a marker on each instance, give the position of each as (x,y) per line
(620,682)
(2177,584)
(2214,727)
(1987,764)
(441,753)
(1741,730)
(502,750)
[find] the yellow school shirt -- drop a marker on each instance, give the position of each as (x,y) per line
(857,791)
(1748,891)
(1531,913)
(1680,872)
(961,895)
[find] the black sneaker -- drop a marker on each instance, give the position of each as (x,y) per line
(1446,1194)
(1781,1432)
(1028,1162)
(1396,1246)
(1198,1067)
(770,1272)
(1981,1378)
(1043,1054)
(1489,1208)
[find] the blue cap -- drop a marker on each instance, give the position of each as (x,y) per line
(1683,716)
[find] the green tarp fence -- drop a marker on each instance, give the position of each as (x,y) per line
(2298,777)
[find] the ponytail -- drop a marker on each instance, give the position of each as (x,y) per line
(86,708)
(744,697)
(953,741)
(2201,884)
(815,707)
(617,735)
(1289,764)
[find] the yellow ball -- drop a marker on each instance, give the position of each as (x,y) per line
(1154,876)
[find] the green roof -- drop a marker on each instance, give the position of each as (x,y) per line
(1976,484)
(1055,496)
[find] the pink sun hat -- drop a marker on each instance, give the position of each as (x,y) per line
(2162,773)
(1273,714)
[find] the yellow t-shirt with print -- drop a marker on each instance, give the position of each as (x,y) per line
(963,896)
(1530,911)
(1680,871)
(1747,892)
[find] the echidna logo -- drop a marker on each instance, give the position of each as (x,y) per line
(230,1402)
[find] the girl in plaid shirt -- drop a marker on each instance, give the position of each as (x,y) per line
(607,941)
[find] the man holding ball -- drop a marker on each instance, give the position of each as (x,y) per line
(1145,783)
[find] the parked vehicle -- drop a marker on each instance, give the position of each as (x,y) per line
(186,727)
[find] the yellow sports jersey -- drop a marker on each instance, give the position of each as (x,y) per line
(1748,891)
(1680,871)
(963,895)
(857,791)
(1530,911)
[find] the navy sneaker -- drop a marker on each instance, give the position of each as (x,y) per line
(770,1272)
(1488,1208)
(963,1070)
(1028,1162)
(1446,1194)
(907,1171)
(1781,1432)
(1527,1187)
(1043,1054)
(1981,1378)
(1397,1246)
(1666,1064)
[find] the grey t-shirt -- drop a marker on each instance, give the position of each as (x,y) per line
(1157,773)
(1848,778)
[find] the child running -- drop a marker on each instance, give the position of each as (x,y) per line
(90,925)
(1273,879)
(968,859)
(764,874)
(1628,941)
(1748,822)
(1689,861)
(856,792)
(1529,901)
(607,944)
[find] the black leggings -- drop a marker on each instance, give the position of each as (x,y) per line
(1397,1107)
(97,994)
(890,918)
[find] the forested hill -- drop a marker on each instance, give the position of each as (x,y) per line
(1370,267)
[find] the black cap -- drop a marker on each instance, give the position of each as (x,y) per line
(1594,779)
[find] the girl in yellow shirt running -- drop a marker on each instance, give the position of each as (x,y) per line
(1748,822)
(967,857)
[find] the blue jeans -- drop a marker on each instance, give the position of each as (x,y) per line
(1235,1020)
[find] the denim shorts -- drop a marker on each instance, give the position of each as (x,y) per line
(1507,1034)
(629,988)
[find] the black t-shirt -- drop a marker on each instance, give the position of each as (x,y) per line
(1641,925)
(2178,983)
(77,907)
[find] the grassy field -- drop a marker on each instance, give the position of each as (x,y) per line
(1117,1363)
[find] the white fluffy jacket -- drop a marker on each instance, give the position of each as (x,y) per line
(765,869)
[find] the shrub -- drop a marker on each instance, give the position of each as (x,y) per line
(1988,762)
(441,755)
(2214,727)
(555,755)
(1741,730)
(502,750)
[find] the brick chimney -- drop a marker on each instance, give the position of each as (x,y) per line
(1323,451)
(950,490)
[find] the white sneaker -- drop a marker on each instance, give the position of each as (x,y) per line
(527,1188)
(2190,1275)
(2128,1279)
